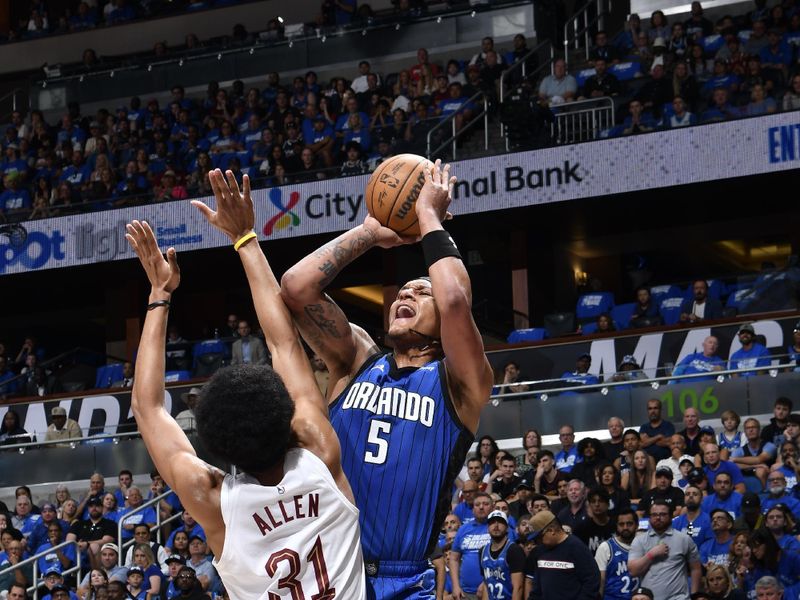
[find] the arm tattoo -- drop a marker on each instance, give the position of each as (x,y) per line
(316,312)
(341,252)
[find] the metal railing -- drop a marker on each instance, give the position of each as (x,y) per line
(34,560)
(457,133)
(157,528)
(70,442)
(10,99)
(543,391)
(582,120)
(578,28)
(521,65)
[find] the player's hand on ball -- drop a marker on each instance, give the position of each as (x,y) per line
(164,275)
(234,215)
(385,237)
(436,194)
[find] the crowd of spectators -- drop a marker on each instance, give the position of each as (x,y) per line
(177,567)
(283,132)
(683,73)
(602,518)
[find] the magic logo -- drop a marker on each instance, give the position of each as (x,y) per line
(315,206)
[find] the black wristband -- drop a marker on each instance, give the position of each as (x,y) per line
(158,303)
(437,245)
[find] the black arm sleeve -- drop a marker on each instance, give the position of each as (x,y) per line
(515,557)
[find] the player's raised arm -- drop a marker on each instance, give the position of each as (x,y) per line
(468,370)
(324,326)
(192,479)
(234,216)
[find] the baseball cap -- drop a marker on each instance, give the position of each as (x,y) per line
(59,587)
(628,359)
(53,570)
(664,472)
(197,537)
(642,591)
(134,570)
(94,501)
(751,503)
(539,521)
(696,475)
(58,411)
(746,328)
(195,391)
(686,460)
(585,355)
(175,558)
(524,484)
(706,429)
(110,546)
(797,326)
(498,515)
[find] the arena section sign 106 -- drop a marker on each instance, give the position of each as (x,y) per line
(761,145)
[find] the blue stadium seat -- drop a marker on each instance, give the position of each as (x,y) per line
(659,292)
(534,334)
(712,43)
(108,374)
(209,347)
(508,57)
(591,306)
(582,75)
(740,298)
(171,376)
(625,71)
(621,314)
(588,328)
(670,309)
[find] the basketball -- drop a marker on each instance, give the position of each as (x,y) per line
(393,189)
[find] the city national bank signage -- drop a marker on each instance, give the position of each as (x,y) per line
(612,166)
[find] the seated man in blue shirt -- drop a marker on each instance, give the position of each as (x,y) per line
(581,375)
(751,355)
(723,497)
(706,361)
(714,466)
(457,104)
(14,198)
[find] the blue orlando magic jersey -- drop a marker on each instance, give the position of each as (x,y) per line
(619,583)
(402,447)
(496,573)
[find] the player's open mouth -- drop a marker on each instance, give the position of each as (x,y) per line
(405,312)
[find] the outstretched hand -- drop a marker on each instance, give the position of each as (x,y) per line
(436,194)
(164,275)
(234,215)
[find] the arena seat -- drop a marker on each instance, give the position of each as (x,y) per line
(591,306)
(670,309)
(621,314)
(533,334)
(558,324)
(108,374)
(660,292)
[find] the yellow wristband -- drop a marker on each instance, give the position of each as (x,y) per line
(243,240)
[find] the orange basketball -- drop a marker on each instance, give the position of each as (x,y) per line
(392,192)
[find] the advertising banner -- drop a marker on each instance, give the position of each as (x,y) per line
(588,170)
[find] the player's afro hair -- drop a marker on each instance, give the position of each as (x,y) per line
(244,416)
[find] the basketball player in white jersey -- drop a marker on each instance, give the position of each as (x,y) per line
(286,527)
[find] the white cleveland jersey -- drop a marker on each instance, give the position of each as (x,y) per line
(297,540)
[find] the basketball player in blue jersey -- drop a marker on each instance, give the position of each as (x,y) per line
(286,525)
(405,419)
(616,583)
(502,562)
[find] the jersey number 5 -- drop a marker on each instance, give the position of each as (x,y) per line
(375,429)
(291,583)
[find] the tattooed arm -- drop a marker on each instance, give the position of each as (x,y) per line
(342,345)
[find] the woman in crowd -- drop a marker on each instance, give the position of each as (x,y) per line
(767,558)
(659,27)
(98,578)
(143,558)
(110,508)
(69,511)
(609,480)
(487,449)
(180,544)
(11,431)
(719,584)
(641,477)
